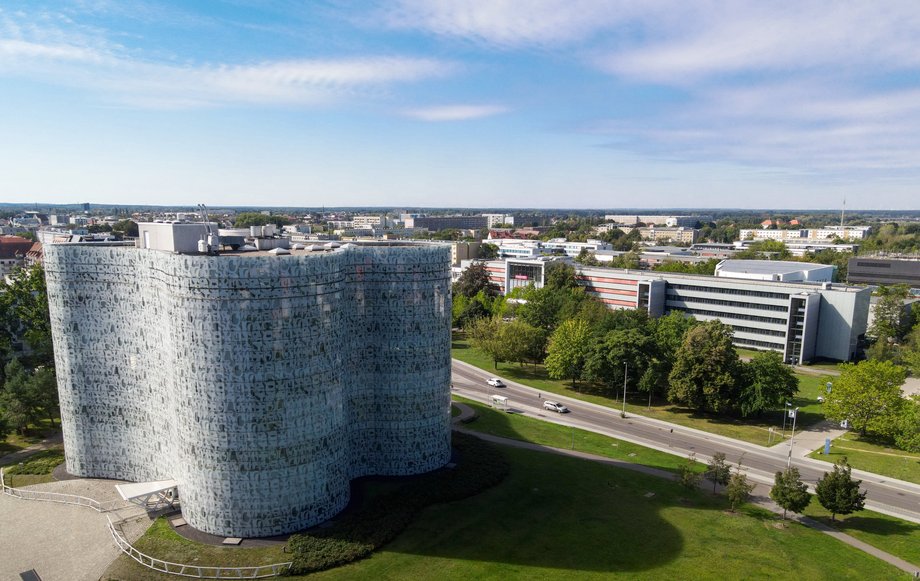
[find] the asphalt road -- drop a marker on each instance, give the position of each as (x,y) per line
(885,495)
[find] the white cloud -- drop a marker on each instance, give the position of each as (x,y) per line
(513,23)
(455,112)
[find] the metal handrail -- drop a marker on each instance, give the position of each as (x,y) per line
(58,497)
(196,571)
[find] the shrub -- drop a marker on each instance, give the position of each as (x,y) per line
(356,535)
(40,463)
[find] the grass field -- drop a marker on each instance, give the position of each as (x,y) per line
(34,434)
(893,535)
(896,536)
(754,430)
(872,457)
(563,518)
(36,469)
(518,427)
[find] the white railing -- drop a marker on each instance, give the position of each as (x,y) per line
(196,571)
(59,497)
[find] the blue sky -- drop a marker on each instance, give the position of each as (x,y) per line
(511,103)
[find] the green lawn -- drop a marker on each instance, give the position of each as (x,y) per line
(518,427)
(896,536)
(872,457)
(563,518)
(754,430)
(893,535)
(34,434)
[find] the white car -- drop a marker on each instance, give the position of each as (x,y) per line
(555,407)
(495,382)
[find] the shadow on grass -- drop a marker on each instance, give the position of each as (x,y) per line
(868,524)
(558,512)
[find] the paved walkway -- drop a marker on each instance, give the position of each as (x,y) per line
(63,542)
(760,495)
(54,441)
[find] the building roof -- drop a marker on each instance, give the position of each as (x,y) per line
(14,246)
(769,266)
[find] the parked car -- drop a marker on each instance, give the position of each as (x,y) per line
(555,407)
(495,382)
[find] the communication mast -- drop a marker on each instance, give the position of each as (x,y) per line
(211,243)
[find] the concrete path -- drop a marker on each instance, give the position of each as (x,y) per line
(63,542)
(760,495)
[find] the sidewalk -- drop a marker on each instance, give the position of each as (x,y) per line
(53,442)
(760,498)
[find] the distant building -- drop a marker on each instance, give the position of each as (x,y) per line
(802,321)
(658,220)
(679,235)
(884,270)
(366,222)
(435,223)
(763,234)
(494,220)
(13,250)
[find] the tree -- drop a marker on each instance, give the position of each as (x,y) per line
(718,470)
(789,491)
(706,370)
(687,474)
(607,359)
(126,227)
(586,258)
(485,335)
(891,318)
(524,342)
(767,383)
(907,425)
(560,275)
(473,280)
(17,400)
(25,302)
(488,251)
(867,394)
(247,219)
(568,347)
(838,492)
(738,489)
(43,387)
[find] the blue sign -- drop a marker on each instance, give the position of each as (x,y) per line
(827,446)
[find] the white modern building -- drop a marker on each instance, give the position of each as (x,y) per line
(260,383)
(801,320)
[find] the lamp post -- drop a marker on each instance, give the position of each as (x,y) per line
(795,415)
(625,375)
(785,413)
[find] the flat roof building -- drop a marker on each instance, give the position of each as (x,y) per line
(802,321)
(776,270)
(260,382)
(884,270)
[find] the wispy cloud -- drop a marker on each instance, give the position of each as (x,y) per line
(455,112)
(86,59)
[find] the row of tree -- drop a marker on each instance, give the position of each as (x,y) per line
(578,338)
(28,387)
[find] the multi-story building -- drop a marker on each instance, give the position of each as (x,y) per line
(767,234)
(495,220)
(842,232)
(13,250)
(659,220)
(678,235)
(802,321)
(366,222)
(776,270)
(435,223)
(260,383)
(884,270)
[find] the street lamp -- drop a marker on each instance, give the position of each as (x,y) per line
(785,413)
(625,375)
(795,414)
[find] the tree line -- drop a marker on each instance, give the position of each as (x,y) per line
(28,385)
(576,337)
